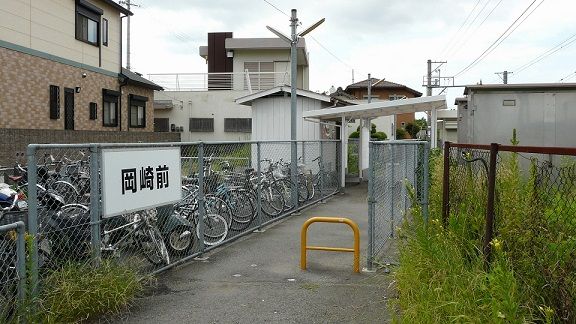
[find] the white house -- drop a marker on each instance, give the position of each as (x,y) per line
(202,105)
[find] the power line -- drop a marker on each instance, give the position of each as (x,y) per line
(477,27)
(569,76)
(501,38)
(465,33)
(280,11)
(460,28)
(567,42)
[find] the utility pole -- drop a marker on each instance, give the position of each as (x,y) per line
(128,4)
(429,87)
(504,76)
(293,41)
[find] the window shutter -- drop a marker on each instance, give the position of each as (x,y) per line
(93,109)
(54,102)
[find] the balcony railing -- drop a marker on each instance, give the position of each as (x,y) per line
(253,81)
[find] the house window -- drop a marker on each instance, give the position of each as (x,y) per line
(508,102)
(92,109)
(137,111)
(87,22)
(110,108)
(104,31)
(371,97)
(396,97)
(238,125)
(54,102)
(162,125)
(201,124)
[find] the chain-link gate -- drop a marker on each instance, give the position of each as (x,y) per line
(228,190)
(396,167)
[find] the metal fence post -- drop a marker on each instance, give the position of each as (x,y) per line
(201,209)
(405,178)
(490,205)
(425,186)
(371,202)
(294,174)
(392,185)
(33,216)
(321,171)
(95,203)
(21,260)
(259,184)
(446,186)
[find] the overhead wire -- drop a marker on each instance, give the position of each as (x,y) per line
(569,76)
(465,32)
(466,39)
(460,28)
(563,44)
(515,24)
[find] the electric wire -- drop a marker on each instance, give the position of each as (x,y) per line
(460,28)
(565,43)
(466,39)
(569,76)
(500,38)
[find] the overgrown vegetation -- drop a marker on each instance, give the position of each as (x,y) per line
(532,275)
(78,292)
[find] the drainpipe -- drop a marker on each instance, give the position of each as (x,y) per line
(123,82)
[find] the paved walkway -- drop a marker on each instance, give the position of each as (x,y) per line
(257,279)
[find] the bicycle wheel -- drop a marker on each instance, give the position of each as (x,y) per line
(303,192)
(242,209)
(153,246)
(67,190)
(272,201)
(217,206)
(215,229)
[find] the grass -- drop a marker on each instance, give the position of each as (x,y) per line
(532,276)
(81,292)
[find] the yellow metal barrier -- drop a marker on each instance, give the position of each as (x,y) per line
(304,247)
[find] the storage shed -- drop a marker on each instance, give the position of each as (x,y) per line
(271,113)
(543,114)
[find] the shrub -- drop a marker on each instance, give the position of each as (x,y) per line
(79,292)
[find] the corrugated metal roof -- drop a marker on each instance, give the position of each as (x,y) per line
(247,100)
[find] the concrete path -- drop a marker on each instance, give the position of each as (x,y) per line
(257,279)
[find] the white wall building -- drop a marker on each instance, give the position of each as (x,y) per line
(201,105)
(542,114)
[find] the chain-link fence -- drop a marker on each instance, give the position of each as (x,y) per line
(520,202)
(79,213)
(12,263)
(353,156)
(396,168)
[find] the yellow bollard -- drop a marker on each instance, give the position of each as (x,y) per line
(304,233)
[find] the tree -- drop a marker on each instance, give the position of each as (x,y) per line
(412,129)
(422,123)
(400,133)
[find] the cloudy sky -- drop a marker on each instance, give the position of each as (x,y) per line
(390,39)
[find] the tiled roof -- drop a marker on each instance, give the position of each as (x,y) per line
(381,84)
(139,80)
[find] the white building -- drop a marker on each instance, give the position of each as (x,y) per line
(201,105)
(542,114)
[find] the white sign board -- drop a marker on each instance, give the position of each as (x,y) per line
(139,178)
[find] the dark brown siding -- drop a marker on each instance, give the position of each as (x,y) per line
(217,59)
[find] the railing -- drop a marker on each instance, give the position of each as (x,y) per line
(252,81)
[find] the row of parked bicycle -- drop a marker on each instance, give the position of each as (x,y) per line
(230,204)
